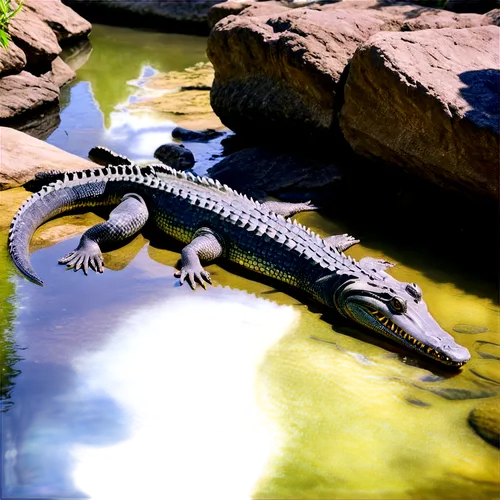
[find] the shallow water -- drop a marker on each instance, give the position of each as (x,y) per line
(130,386)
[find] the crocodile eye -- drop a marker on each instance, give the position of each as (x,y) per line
(414,290)
(398,305)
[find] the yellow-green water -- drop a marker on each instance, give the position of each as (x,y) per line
(130,386)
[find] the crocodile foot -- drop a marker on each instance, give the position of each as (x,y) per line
(341,242)
(194,273)
(87,254)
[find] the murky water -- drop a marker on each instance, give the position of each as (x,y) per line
(130,386)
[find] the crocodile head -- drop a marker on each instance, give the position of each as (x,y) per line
(397,310)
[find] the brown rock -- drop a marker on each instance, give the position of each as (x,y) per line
(221,10)
(428,101)
(35,38)
(60,73)
(12,60)
(24,92)
(282,73)
(64,21)
(437,19)
(23,156)
(485,420)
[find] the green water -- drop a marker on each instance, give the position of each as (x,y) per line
(132,387)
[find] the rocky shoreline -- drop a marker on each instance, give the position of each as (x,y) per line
(404,85)
(31,70)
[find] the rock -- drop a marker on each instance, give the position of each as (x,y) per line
(428,101)
(178,16)
(493,17)
(280,74)
(437,19)
(12,60)
(184,134)
(65,22)
(229,8)
(487,370)
(469,329)
(35,38)
(272,173)
(485,420)
(25,92)
(60,72)
(456,394)
(176,156)
(23,156)
(487,350)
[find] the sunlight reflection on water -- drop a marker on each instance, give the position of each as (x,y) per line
(204,405)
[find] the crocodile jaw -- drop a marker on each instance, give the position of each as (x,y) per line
(415,329)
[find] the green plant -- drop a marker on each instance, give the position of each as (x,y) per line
(6,14)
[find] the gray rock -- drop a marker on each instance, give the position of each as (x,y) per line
(176,156)
(470,329)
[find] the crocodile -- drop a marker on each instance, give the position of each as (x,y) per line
(212,221)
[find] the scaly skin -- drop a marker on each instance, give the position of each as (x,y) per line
(212,220)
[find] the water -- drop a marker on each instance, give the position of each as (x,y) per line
(125,385)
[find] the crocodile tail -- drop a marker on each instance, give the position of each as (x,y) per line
(53,199)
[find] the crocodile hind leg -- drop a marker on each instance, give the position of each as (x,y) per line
(124,221)
(205,246)
(287,209)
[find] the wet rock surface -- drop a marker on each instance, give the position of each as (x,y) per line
(260,172)
(485,420)
(176,156)
(184,134)
(435,93)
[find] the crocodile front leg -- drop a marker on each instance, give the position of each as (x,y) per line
(205,246)
(287,209)
(128,218)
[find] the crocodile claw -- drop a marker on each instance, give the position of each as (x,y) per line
(87,254)
(193,275)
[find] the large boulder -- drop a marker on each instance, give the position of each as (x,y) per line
(24,156)
(25,92)
(12,60)
(278,70)
(428,101)
(65,22)
(281,73)
(35,38)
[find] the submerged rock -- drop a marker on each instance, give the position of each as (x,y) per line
(470,329)
(23,156)
(176,156)
(436,97)
(487,370)
(184,134)
(485,420)
(487,350)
